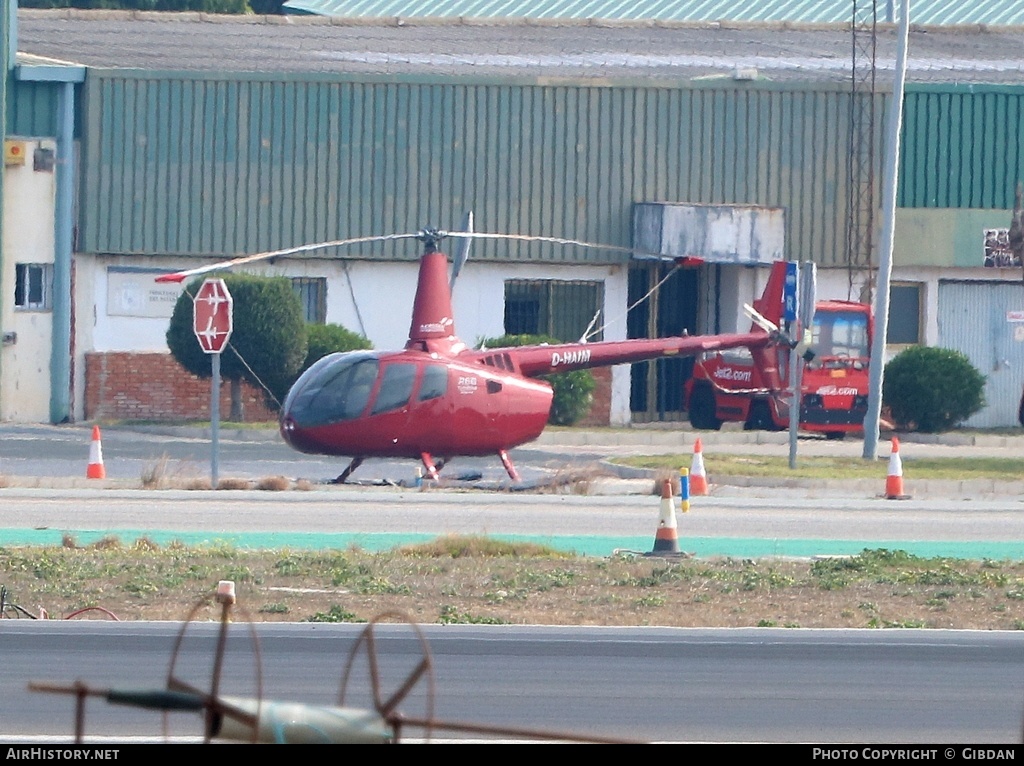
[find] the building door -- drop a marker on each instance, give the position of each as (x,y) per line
(985,322)
(656,387)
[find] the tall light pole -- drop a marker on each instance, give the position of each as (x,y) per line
(892,160)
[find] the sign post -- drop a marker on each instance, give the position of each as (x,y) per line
(212,323)
(790,315)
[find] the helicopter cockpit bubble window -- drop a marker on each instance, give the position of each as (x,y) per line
(435,382)
(335,388)
(395,388)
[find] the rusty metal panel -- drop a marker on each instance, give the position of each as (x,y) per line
(225,164)
(745,234)
(962,146)
(985,322)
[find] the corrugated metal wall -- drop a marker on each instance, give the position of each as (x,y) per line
(32,108)
(808,11)
(963,146)
(210,165)
(982,321)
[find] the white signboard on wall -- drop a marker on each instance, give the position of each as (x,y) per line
(135,293)
(746,234)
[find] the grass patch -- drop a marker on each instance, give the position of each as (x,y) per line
(236,484)
(451,616)
(836,467)
(334,614)
(475,580)
(459,546)
(274,484)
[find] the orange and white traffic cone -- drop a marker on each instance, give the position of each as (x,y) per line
(894,481)
(666,541)
(698,476)
(95,469)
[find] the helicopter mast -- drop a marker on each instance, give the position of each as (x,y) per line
(433,327)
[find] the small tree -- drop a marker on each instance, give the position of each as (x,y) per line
(932,389)
(573,391)
(269,335)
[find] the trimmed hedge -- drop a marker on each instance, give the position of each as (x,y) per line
(932,389)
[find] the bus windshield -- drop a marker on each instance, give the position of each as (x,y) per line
(842,334)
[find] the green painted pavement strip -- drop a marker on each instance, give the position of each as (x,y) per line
(704,547)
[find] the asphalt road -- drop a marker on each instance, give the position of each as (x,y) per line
(757,685)
(613,514)
(402,511)
(643,683)
(62,452)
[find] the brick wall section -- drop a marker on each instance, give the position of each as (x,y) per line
(153,386)
(601,409)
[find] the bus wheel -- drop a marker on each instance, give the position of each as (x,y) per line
(760,418)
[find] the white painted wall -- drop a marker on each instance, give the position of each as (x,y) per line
(28,237)
(122,310)
(119,310)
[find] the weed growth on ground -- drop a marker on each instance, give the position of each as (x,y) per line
(481,580)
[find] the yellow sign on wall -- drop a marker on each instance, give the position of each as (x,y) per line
(14,152)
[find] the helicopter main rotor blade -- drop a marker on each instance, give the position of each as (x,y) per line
(460,258)
(462,253)
(180,276)
(554,240)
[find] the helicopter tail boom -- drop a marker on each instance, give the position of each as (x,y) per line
(532,361)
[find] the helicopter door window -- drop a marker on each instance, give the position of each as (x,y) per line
(358,394)
(395,388)
(435,382)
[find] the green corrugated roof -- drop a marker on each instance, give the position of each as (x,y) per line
(938,12)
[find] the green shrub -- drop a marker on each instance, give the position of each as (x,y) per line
(269,333)
(327,339)
(932,389)
(573,391)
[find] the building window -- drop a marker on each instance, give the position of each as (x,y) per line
(904,313)
(561,309)
(33,286)
(312,292)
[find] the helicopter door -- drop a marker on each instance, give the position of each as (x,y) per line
(390,407)
(431,418)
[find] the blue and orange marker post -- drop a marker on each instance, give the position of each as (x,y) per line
(684,490)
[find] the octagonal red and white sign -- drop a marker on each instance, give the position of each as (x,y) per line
(212,315)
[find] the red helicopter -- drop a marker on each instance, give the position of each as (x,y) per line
(438,398)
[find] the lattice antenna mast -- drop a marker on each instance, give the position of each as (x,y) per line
(860,218)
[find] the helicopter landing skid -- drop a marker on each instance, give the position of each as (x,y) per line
(507,462)
(343,476)
(428,463)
